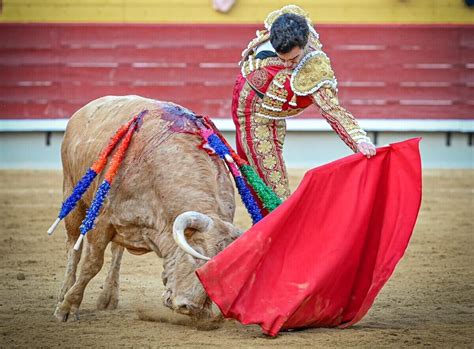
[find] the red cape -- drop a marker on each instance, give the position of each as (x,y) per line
(320,258)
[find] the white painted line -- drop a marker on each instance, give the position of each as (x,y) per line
(390,125)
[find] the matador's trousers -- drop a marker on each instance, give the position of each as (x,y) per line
(259,139)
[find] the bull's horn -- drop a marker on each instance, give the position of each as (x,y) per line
(193,220)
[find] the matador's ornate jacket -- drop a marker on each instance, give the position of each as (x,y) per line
(266,93)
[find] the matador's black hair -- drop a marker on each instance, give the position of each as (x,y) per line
(288,31)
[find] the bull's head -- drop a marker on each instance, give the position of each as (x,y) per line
(199,237)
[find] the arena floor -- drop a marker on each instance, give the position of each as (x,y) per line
(429,300)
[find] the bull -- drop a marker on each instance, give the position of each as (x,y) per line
(166,185)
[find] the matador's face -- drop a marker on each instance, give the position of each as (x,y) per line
(292,58)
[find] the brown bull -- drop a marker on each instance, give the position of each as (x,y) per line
(164,179)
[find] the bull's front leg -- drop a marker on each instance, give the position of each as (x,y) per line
(72,222)
(73,258)
(93,255)
(109,297)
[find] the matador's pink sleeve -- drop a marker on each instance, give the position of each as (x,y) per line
(342,121)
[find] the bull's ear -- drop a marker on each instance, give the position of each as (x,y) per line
(234,232)
(237,233)
(222,245)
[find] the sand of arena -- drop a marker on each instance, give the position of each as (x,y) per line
(428,302)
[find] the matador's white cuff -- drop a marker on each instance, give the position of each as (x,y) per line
(361,139)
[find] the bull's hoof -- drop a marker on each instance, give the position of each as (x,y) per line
(108,299)
(65,314)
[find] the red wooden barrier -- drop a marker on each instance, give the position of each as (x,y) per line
(50,70)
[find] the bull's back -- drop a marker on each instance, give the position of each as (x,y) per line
(162,166)
(90,128)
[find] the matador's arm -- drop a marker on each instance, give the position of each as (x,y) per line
(342,121)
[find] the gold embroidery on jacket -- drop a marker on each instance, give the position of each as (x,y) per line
(284,114)
(276,94)
(252,64)
(342,121)
(312,73)
(258,79)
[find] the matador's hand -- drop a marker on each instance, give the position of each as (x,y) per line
(366,148)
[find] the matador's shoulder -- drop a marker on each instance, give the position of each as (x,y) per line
(313,72)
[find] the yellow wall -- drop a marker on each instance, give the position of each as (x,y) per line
(245,11)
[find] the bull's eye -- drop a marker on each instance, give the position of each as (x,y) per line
(196,261)
(221,245)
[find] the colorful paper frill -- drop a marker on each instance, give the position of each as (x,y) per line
(246,195)
(267,196)
(123,136)
(246,179)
